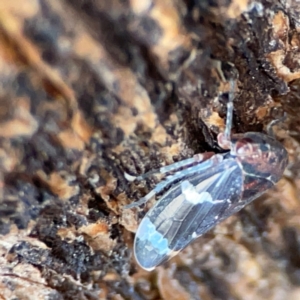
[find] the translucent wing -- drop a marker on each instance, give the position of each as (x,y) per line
(188,210)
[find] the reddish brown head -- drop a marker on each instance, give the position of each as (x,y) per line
(259,154)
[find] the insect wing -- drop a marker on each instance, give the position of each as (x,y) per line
(189,209)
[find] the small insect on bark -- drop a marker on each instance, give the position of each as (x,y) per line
(204,190)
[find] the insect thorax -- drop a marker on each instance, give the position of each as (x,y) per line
(262,159)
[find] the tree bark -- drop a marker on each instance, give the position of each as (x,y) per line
(92,89)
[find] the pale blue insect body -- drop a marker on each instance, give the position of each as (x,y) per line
(186,211)
(205,190)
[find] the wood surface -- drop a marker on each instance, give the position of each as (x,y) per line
(91,89)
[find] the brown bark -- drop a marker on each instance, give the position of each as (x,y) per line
(92,89)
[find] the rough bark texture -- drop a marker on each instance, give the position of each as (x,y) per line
(91,89)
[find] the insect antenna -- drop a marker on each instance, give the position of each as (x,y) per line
(273,123)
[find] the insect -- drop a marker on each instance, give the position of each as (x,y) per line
(206,189)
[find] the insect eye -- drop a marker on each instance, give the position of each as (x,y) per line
(244,149)
(273,160)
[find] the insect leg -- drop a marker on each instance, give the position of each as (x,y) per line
(202,166)
(224,140)
(229,114)
(196,159)
(143,200)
